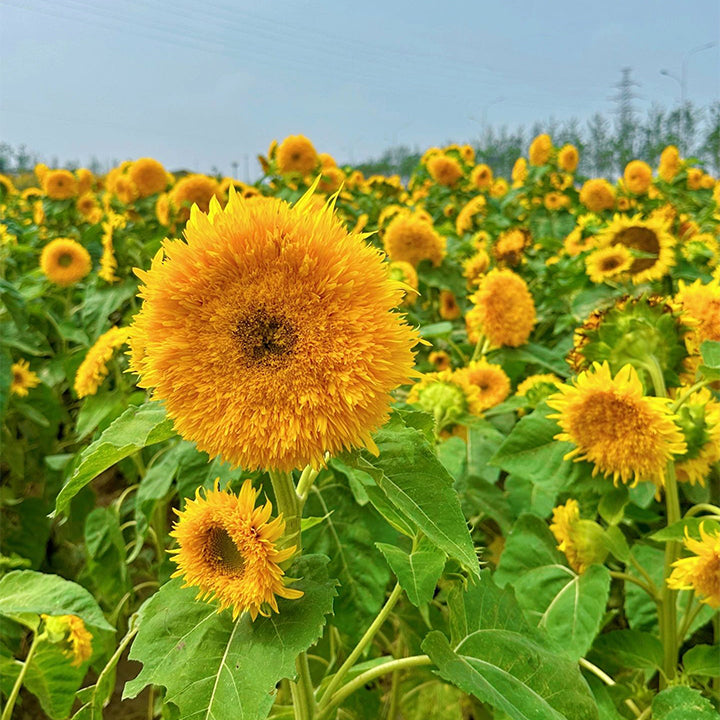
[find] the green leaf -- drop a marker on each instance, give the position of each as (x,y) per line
(417,484)
(439,328)
(530,545)
(5,379)
(220,669)
(26,591)
(702,660)
(676,531)
(568,606)
(612,504)
(616,543)
(629,649)
(417,572)
(95,409)
(136,428)
(710,353)
(540,355)
(682,703)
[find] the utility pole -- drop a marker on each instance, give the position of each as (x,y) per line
(626,123)
(234,164)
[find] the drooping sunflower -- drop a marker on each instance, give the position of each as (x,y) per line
(412,238)
(70,629)
(615,426)
(608,263)
(193,190)
(23,378)
(228,550)
(271,334)
(59,184)
(491,381)
(578,539)
(568,158)
(296,154)
(649,239)
(540,150)
(597,195)
(65,261)
(93,369)
(504,311)
(149,176)
(699,419)
(444,170)
(637,177)
(694,178)
(481,176)
(700,573)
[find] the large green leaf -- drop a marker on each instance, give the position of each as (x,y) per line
(620,649)
(215,668)
(5,379)
(702,660)
(417,571)
(682,703)
(569,606)
(501,661)
(420,487)
(26,592)
(132,431)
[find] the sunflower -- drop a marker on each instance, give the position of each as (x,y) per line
(597,195)
(537,388)
(490,380)
(331,180)
(702,572)
(411,238)
(475,267)
(23,378)
(405,273)
(470,212)
(504,311)
(510,246)
(193,190)
(71,630)
(86,205)
(446,395)
(242,336)
(296,154)
(467,153)
(650,242)
(85,180)
(580,540)
(519,172)
(59,184)
(637,177)
(481,176)
(65,261)
(449,309)
(149,176)
(555,201)
(540,150)
(608,263)
(444,170)
(93,369)
(613,424)
(701,306)
(499,188)
(699,419)
(669,163)
(568,158)
(125,189)
(440,359)
(694,178)
(228,550)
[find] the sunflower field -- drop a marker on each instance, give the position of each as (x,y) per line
(331,446)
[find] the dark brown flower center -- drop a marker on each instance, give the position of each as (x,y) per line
(265,339)
(65,260)
(642,239)
(222,553)
(610,263)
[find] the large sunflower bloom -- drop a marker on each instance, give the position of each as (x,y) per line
(568,158)
(65,261)
(59,184)
(193,190)
(411,239)
(227,549)
(597,194)
(702,572)
(296,154)
(444,170)
(271,334)
(148,176)
(503,310)
(637,177)
(23,378)
(613,424)
(93,369)
(669,163)
(650,238)
(540,150)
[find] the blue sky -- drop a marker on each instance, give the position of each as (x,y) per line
(203,84)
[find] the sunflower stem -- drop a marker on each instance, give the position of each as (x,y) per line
(8,710)
(287,505)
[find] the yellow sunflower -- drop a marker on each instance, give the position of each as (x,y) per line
(59,184)
(702,572)
(701,306)
(499,188)
(699,419)
(331,180)
(193,190)
(540,150)
(86,205)
(449,309)
(475,267)
(637,177)
(580,540)
(504,311)
(491,381)
(444,170)
(568,158)
(694,178)
(467,153)
(228,550)
(510,246)
(648,240)
(149,176)
(296,154)
(125,189)
(93,369)
(669,163)
(440,359)
(481,176)
(519,172)
(613,425)
(597,195)
(446,395)
(70,629)
(270,334)
(470,212)
(406,274)
(65,261)
(608,263)
(412,238)
(85,180)
(23,378)
(555,201)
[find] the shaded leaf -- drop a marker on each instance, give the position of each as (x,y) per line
(682,703)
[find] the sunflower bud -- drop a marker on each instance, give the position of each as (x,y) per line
(445,401)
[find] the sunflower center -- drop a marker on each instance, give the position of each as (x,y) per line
(643,240)
(266,339)
(222,552)
(65,260)
(610,263)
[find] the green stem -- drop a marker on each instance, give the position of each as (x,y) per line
(364,642)
(693,388)
(304,685)
(595,670)
(305,483)
(645,574)
(287,505)
(7,712)
(629,578)
(703,507)
(326,706)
